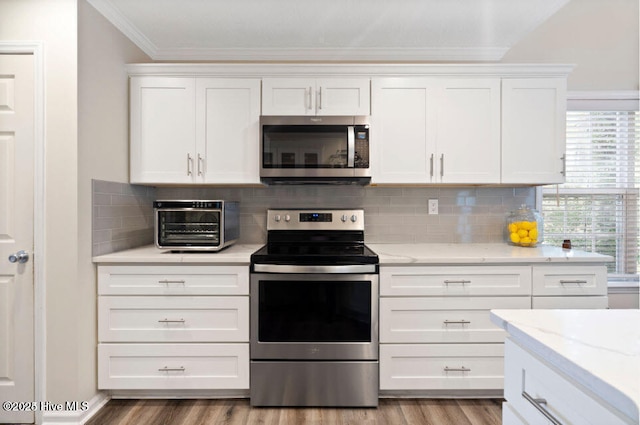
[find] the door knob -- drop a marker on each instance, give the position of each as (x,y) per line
(19,257)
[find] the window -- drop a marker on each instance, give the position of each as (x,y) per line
(597,207)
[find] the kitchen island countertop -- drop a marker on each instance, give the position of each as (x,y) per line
(599,349)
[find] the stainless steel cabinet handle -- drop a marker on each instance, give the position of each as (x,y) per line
(310,99)
(189,164)
(537,403)
(462,281)
(563,158)
(577,281)
(167,281)
(199,163)
(442,165)
(171,321)
(456,322)
(454,369)
(320,98)
(172,369)
(20,257)
(431,166)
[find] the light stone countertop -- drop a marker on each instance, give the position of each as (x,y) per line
(390,254)
(599,349)
(476,253)
(234,254)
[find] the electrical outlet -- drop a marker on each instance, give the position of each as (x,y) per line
(433,206)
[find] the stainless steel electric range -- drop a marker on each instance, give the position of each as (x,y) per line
(314,311)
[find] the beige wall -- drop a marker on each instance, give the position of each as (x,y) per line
(103,153)
(599,36)
(54,23)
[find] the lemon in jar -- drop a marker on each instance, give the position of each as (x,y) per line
(514,237)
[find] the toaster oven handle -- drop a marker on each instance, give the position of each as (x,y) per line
(351,146)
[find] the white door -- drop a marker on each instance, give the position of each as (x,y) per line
(533,130)
(163,130)
(343,96)
(228,130)
(16,234)
(468,131)
(403,121)
(288,96)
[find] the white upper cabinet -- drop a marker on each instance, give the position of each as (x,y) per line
(163,130)
(309,96)
(194,130)
(436,130)
(227,130)
(533,130)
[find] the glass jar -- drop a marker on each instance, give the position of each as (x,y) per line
(524,227)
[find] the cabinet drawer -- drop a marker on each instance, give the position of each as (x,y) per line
(173,319)
(510,416)
(565,401)
(436,319)
(173,366)
(569,280)
(455,281)
(173,280)
(441,366)
(570,302)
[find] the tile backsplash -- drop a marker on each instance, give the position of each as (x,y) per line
(122,216)
(392,214)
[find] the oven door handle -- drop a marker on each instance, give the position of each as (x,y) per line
(284,268)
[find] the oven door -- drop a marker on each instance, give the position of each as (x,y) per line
(314,316)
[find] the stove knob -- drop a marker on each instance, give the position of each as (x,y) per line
(287,218)
(354,218)
(344,218)
(277,218)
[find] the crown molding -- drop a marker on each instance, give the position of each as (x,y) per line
(115,16)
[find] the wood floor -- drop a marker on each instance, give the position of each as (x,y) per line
(238,412)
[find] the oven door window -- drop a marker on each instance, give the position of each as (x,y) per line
(314,311)
(305,146)
(194,228)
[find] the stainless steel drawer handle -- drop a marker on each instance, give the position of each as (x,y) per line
(455,369)
(462,281)
(538,403)
(167,281)
(172,369)
(171,321)
(577,282)
(456,322)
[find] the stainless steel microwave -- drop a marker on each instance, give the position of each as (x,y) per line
(314,150)
(198,225)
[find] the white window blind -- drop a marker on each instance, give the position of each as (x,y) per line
(597,207)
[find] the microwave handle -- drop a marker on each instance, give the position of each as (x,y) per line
(351,146)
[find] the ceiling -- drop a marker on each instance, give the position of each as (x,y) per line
(327,30)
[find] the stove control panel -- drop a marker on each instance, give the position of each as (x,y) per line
(315,219)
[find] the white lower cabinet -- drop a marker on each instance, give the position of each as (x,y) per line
(441,366)
(435,330)
(173,366)
(537,393)
(173,327)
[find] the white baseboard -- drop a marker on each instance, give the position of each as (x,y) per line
(79,416)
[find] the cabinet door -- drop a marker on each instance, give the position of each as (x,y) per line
(343,96)
(468,131)
(228,114)
(162,130)
(533,130)
(288,96)
(403,140)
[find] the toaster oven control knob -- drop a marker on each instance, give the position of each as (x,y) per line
(354,218)
(344,218)
(287,218)
(277,218)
